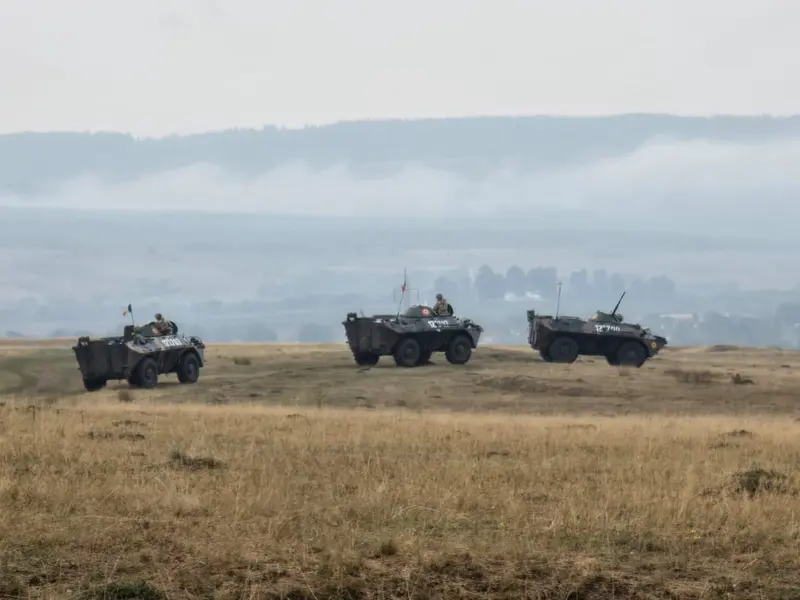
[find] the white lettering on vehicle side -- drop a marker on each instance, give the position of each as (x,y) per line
(436,323)
(171,342)
(606,328)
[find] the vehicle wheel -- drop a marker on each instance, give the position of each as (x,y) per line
(563,350)
(188,368)
(94,384)
(133,380)
(424,357)
(545,356)
(367,359)
(631,354)
(611,359)
(147,373)
(459,350)
(407,353)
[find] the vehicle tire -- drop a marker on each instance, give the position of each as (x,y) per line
(631,354)
(459,350)
(563,350)
(545,356)
(367,359)
(188,368)
(611,359)
(94,384)
(147,373)
(407,353)
(424,357)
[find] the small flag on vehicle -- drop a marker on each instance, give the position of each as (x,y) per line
(127,311)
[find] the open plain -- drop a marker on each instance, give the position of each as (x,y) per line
(288,471)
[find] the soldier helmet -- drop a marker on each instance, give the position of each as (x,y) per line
(158,316)
(438,296)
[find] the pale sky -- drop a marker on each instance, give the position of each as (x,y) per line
(154,67)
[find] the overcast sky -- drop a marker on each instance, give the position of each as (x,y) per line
(154,67)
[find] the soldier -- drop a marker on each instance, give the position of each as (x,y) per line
(442,308)
(161,325)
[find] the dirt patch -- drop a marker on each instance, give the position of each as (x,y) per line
(107,435)
(124,591)
(697,377)
(128,423)
(730,439)
(576,426)
(526,385)
(514,384)
(40,372)
(179,459)
(756,480)
(496,355)
(739,433)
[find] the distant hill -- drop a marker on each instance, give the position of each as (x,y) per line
(32,162)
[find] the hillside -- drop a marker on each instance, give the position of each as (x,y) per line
(288,472)
(34,162)
(496,379)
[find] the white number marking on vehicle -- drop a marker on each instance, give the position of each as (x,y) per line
(436,323)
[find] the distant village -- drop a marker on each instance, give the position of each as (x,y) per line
(498,300)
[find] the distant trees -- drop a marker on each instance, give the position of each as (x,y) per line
(788,314)
(492,285)
(446,286)
(488,284)
(515,281)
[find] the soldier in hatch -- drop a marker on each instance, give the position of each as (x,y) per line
(442,308)
(161,325)
(601,316)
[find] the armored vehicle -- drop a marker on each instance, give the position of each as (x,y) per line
(411,338)
(563,339)
(140,355)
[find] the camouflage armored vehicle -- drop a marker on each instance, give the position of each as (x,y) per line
(563,339)
(411,338)
(140,355)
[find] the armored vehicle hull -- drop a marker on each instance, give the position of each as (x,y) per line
(411,338)
(138,357)
(563,339)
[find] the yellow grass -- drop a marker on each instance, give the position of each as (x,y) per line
(310,493)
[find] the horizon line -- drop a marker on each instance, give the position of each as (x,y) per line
(384,120)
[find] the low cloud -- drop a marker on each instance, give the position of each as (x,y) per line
(664,181)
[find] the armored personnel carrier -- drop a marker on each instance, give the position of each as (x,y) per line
(411,337)
(562,339)
(139,355)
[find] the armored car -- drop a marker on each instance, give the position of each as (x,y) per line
(411,337)
(139,356)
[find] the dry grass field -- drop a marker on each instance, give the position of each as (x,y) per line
(287,471)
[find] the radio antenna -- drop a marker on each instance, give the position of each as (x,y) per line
(558,301)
